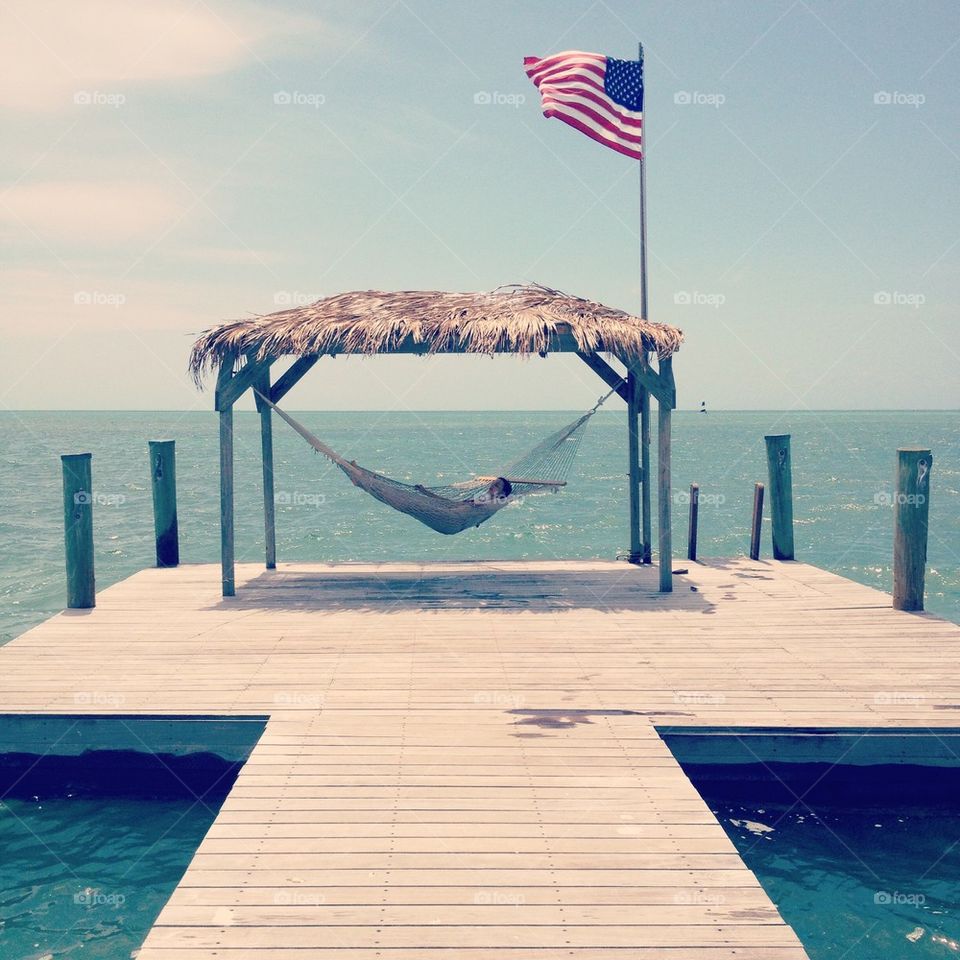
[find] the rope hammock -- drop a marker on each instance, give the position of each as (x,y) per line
(454,507)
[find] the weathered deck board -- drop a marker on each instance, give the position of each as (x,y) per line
(462,760)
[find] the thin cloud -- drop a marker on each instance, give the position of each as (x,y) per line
(87,212)
(53,55)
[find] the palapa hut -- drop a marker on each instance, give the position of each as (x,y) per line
(523,320)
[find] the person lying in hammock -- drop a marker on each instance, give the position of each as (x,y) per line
(500,489)
(497,493)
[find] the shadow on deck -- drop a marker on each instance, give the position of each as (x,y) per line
(609,589)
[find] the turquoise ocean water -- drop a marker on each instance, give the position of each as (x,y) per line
(843,470)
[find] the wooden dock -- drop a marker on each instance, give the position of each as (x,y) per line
(462,761)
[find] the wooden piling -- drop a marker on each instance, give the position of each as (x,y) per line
(756,524)
(634,471)
(911,508)
(226,502)
(781,496)
(646,537)
(78,530)
(163,481)
(266,455)
(694,521)
(664,532)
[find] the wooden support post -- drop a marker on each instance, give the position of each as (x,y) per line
(664,532)
(163,480)
(756,523)
(781,496)
(634,472)
(911,507)
(269,500)
(645,473)
(694,522)
(226,502)
(78,530)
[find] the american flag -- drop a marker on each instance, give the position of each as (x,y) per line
(597,95)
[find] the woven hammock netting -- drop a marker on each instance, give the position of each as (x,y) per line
(454,507)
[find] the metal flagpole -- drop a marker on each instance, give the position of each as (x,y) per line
(644,396)
(643,198)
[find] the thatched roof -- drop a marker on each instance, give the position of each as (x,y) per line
(519,319)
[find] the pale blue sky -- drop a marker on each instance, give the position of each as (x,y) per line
(148,170)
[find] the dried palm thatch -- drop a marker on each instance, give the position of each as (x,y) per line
(525,320)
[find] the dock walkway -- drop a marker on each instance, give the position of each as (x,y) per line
(462,761)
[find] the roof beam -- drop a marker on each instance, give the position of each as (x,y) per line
(607,374)
(660,383)
(291,377)
(231,388)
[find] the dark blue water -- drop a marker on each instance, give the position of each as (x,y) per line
(863,882)
(843,470)
(92,847)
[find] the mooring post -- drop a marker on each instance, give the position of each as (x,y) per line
(757,522)
(163,480)
(694,521)
(911,507)
(664,532)
(78,530)
(781,496)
